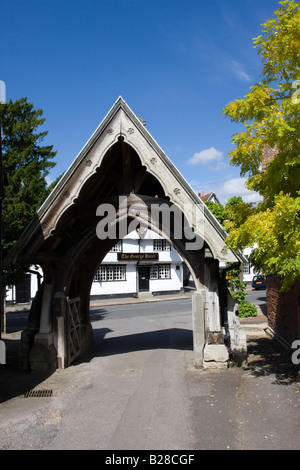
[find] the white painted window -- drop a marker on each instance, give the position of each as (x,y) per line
(246,268)
(154,272)
(160,271)
(100,274)
(164,271)
(110,273)
(119,273)
(161,245)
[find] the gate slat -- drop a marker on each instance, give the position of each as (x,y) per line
(74,326)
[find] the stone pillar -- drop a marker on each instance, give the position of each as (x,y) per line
(211,271)
(215,354)
(28,335)
(46,317)
(198,303)
(59,327)
(238,339)
(43,355)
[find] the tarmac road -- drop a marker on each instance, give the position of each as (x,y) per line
(139,390)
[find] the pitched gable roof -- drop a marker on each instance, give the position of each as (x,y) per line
(119,121)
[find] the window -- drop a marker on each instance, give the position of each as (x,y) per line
(111,273)
(164,271)
(161,245)
(154,272)
(247,268)
(119,273)
(117,248)
(100,274)
(160,271)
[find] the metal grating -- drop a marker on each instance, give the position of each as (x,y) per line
(38,393)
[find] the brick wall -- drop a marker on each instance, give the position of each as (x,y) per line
(283,310)
(268,155)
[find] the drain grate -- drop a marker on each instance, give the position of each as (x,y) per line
(38,393)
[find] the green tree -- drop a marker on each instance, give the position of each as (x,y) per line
(26,163)
(236,212)
(217,210)
(228,215)
(270,113)
(238,293)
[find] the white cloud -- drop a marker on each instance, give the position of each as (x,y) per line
(206,156)
(224,190)
(238,69)
(221,166)
(236,187)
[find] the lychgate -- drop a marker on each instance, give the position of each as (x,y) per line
(121,179)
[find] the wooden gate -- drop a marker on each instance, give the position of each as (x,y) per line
(74,327)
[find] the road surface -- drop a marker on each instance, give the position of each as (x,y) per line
(17,321)
(138,390)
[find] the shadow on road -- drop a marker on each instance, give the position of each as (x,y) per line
(99,314)
(13,381)
(172,338)
(266,356)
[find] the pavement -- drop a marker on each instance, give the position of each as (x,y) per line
(152,397)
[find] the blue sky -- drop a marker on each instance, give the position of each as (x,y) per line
(176,63)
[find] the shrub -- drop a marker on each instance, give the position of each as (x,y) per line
(246,309)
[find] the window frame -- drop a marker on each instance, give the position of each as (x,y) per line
(158,269)
(160,244)
(111,273)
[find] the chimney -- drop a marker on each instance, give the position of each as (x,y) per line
(201,194)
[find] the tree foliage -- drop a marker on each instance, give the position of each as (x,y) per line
(238,293)
(26,163)
(270,113)
(217,210)
(234,213)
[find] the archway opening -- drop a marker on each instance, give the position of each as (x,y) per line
(120,199)
(138,298)
(138,261)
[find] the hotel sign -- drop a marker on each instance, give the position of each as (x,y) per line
(137,256)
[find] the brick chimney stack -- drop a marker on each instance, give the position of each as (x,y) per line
(268,155)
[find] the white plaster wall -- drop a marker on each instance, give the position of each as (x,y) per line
(175,283)
(117,287)
(130,244)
